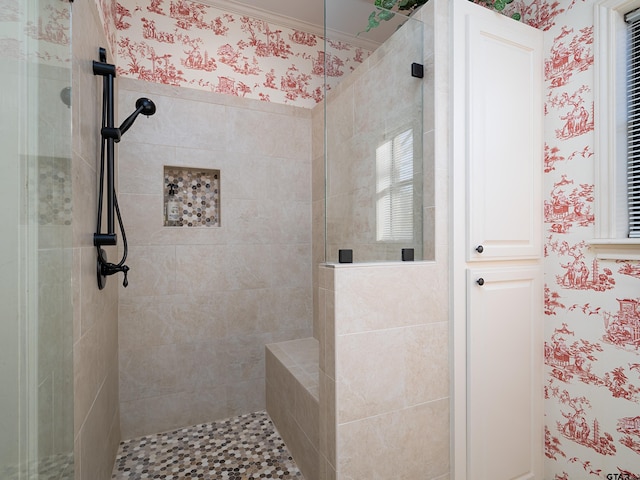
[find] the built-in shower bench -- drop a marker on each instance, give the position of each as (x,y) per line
(292,388)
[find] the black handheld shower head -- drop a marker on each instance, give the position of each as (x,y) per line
(144,106)
(148,107)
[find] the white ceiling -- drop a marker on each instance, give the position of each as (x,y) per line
(346,19)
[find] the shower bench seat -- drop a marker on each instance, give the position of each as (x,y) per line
(292,388)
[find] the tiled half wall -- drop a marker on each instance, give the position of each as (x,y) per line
(383,383)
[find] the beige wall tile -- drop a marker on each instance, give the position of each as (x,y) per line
(371,374)
(162,320)
(148,213)
(140,167)
(306,412)
(290,266)
(293,409)
(152,272)
(387,296)
(99,434)
(327,472)
(84,181)
(297,171)
(245,396)
(88,374)
(286,137)
(246,176)
(244,356)
(147,372)
(426,362)
(165,412)
(328,422)
(330,334)
(408,444)
(167,125)
(319,321)
(203,302)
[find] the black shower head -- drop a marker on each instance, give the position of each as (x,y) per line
(148,107)
(144,106)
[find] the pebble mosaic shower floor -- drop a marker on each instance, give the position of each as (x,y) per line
(239,448)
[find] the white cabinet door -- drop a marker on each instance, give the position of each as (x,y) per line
(503,90)
(504,383)
(497,204)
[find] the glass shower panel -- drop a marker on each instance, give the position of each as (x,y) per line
(36,323)
(373,133)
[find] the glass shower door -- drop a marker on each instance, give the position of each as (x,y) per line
(376,175)
(36,315)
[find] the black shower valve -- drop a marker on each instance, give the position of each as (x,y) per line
(107,269)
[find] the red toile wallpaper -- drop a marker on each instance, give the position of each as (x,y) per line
(47,24)
(592,308)
(189,44)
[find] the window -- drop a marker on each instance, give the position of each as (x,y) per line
(613,239)
(394,189)
(633,122)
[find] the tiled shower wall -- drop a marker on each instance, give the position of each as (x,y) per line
(202,302)
(95,315)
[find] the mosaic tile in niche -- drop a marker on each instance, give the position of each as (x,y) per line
(198,196)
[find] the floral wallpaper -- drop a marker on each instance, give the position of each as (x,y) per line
(592,307)
(189,44)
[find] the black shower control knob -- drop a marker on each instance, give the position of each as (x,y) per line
(480,281)
(479,249)
(125,270)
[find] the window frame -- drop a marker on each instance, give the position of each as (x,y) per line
(610,241)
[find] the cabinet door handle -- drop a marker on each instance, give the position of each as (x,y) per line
(480,281)
(479,249)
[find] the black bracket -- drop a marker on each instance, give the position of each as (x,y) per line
(345,256)
(407,255)
(417,70)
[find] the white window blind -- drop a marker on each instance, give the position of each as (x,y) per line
(394,189)
(633,123)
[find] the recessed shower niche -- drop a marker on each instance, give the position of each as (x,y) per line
(191,197)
